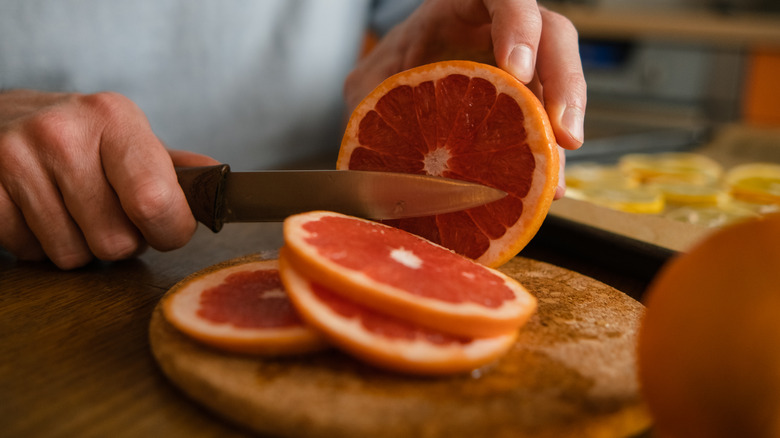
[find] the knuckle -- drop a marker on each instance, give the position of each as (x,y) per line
(109,106)
(115,114)
(116,246)
(54,130)
(16,158)
(559,22)
(151,203)
(106,101)
(155,211)
(54,133)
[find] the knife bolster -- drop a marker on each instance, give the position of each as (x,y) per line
(204,188)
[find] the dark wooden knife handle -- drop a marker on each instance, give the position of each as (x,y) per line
(204,188)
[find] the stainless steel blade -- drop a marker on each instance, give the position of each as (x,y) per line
(274,195)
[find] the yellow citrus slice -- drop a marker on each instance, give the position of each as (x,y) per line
(671,167)
(386,341)
(755,182)
(240,307)
(645,200)
(404,275)
(467,121)
(692,194)
(584,175)
(710,216)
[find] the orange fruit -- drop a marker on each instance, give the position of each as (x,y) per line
(404,275)
(466,121)
(241,308)
(709,343)
(386,341)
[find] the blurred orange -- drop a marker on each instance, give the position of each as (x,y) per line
(762,88)
(709,344)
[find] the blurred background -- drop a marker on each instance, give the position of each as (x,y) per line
(672,75)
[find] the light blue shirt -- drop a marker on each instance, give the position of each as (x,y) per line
(253,83)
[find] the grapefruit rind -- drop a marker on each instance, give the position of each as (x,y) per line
(465,319)
(539,135)
(181,305)
(415,356)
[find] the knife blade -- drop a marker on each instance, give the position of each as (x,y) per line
(216,195)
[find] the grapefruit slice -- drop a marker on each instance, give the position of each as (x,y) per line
(241,308)
(404,275)
(386,341)
(467,121)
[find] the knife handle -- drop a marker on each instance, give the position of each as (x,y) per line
(204,188)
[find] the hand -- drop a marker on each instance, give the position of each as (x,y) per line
(537,46)
(84,176)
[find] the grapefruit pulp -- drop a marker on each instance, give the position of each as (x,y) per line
(466,121)
(403,275)
(240,308)
(386,341)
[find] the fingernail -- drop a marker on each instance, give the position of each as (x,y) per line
(521,63)
(572,121)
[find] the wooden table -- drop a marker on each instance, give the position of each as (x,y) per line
(74,345)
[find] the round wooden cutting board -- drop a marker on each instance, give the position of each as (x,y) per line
(572,373)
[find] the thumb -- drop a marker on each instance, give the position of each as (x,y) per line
(190,159)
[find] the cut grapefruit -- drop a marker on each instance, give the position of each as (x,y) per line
(467,121)
(386,341)
(243,308)
(404,275)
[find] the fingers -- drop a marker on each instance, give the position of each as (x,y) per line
(37,220)
(563,82)
(84,176)
(94,207)
(141,173)
(88,217)
(530,39)
(18,239)
(516,30)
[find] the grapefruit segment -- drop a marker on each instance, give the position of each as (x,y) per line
(467,121)
(241,308)
(386,341)
(404,275)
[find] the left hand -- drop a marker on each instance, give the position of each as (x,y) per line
(537,46)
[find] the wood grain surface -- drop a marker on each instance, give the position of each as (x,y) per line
(570,374)
(76,360)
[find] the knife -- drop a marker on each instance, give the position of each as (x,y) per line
(216,195)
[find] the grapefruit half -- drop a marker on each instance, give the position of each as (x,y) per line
(386,341)
(468,121)
(241,308)
(404,275)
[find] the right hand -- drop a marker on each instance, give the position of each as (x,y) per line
(84,176)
